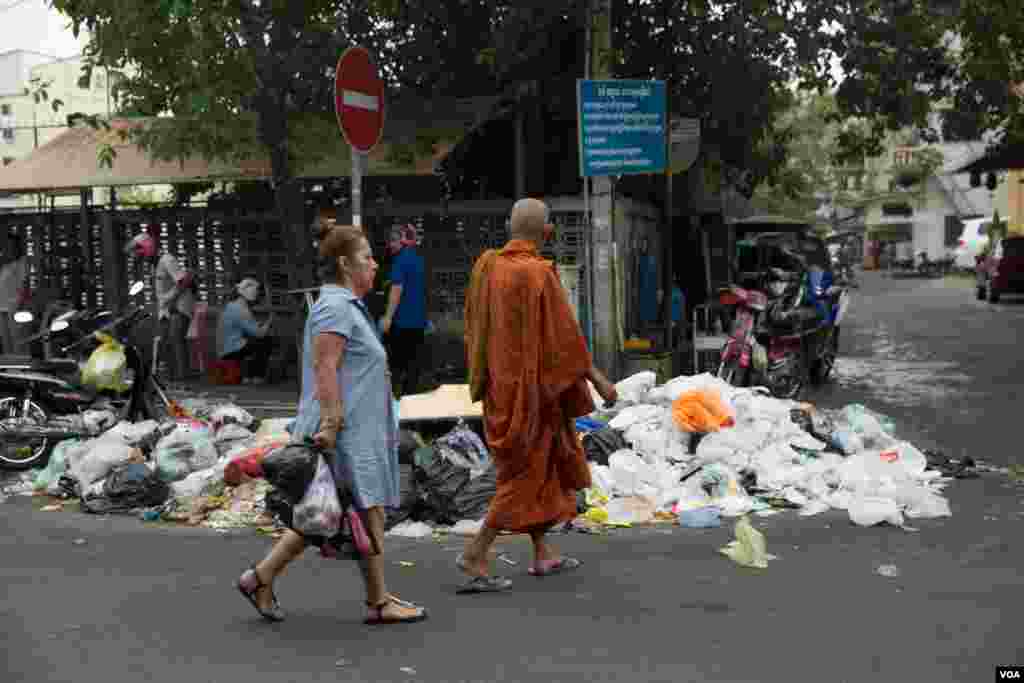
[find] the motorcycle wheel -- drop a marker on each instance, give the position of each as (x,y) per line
(22,452)
(823,366)
(787,382)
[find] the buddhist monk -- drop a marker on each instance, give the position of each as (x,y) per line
(529,364)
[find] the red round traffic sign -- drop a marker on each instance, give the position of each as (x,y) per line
(359,99)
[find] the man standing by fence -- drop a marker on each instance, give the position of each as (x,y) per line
(13,269)
(405,321)
(175,301)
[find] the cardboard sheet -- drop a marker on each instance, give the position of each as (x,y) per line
(449,402)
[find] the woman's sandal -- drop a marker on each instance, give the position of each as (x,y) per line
(249,583)
(375,613)
(559,566)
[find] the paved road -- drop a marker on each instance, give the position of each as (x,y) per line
(135,602)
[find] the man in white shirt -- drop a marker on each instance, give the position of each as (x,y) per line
(176,300)
(13,269)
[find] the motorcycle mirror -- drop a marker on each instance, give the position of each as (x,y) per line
(137,287)
(23,317)
(59,325)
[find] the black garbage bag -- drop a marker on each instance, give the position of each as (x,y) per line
(964,468)
(472,500)
(598,446)
(410,498)
(68,486)
(438,480)
(408,442)
(291,469)
(128,488)
(455,477)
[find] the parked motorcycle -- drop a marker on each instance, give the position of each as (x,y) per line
(777,341)
(40,398)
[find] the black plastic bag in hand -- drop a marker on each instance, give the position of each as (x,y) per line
(291,469)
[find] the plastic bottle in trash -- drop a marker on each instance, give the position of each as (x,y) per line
(847,441)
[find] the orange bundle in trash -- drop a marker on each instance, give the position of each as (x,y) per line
(702,411)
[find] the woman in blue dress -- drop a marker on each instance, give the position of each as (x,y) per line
(347,407)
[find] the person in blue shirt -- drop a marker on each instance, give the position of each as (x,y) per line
(405,322)
(242,338)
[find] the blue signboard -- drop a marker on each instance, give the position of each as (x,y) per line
(621,127)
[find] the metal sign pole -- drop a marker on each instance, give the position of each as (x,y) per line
(357,188)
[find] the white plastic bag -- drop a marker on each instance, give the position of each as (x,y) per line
(199,483)
(104,454)
(869,511)
(319,512)
(637,415)
(56,467)
(631,510)
(228,414)
(182,452)
(634,389)
(133,433)
(410,529)
(97,421)
(628,472)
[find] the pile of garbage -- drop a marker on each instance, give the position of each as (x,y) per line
(691,451)
(697,449)
(172,470)
(205,470)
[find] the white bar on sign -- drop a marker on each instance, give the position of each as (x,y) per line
(351,98)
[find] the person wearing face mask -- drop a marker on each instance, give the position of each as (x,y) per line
(242,338)
(175,294)
(347,408)
(405,322)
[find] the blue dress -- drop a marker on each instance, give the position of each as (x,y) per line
(367,453)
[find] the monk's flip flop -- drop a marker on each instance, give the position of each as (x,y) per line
(551,567)
(485,584)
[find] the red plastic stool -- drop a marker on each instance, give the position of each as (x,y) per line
(226,372)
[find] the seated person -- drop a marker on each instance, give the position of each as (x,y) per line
(242,338)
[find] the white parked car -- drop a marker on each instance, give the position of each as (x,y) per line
(972,240)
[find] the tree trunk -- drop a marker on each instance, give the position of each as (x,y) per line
(288,195)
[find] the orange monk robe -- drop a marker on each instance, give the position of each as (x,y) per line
(528,362)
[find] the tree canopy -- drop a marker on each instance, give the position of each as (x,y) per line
(240,76)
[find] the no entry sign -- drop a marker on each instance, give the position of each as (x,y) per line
(359,99)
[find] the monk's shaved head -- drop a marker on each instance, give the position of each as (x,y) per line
(529,217)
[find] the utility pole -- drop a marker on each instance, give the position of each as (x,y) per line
(604,345)
(668,224)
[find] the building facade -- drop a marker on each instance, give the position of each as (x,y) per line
(26,125)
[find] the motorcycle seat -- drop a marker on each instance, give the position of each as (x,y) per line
(796,321)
